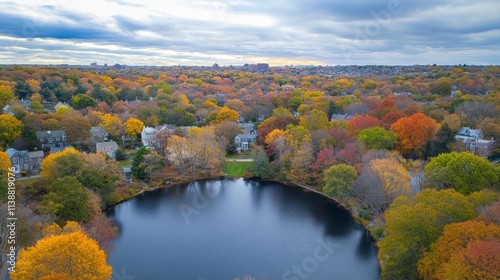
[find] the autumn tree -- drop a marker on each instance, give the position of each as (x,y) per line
(152,162)
(226,114)
(394,177)
(362,122)
(413,132)
(314,120)
(339,180)
(67,256)
(377,138)
(60,164)
(160,141)
(228,130)
(4,163)
(133,127)
(412,225)
(468,250)
(112,124)
(76,126)
(300,164)
(441,86)
(464,172)
(178,154)
(10,128)
(6,95)
(369,189)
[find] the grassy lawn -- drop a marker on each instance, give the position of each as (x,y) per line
(124,163)
(236,169)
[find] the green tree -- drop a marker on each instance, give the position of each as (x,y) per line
(66,200)
(138,169)
(338,181)
(261,167)
(81,101)
(413,225)
(377,138)
(464,172)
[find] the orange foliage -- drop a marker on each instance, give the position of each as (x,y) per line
(413,132)
(461,253)
(361,122)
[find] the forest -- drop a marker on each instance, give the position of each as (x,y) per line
(392,146)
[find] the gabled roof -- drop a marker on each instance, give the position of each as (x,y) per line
(36,154)
(97,129)
(106,144)
(247,136)
(50,133)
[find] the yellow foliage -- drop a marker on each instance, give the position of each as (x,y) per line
(226,114)
(209,104)
(55,229)
(394,177)
(112,124)
(48,163)
(274,135)
(4,162)
(133,127)
(72,255)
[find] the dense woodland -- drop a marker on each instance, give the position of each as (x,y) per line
(390,155)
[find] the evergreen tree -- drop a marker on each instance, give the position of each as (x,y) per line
(138,169)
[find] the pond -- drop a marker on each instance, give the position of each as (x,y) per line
(228,229)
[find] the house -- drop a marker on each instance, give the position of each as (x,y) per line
(52,139)
(98,134)
(287,87)
(244,141)
(474,142)
(35,160)
(7,109)
(148,134)
(466,134)
(481,147)
(61,104)
(341,117)
(108,148)
(248,127)
(19,160)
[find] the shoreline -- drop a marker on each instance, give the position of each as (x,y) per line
(304,188)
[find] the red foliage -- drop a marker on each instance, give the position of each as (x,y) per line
(274,123)
(361,122)
(391,118)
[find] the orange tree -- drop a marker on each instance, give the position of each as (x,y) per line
(413,132)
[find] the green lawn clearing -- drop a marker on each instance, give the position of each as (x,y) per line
(236,168)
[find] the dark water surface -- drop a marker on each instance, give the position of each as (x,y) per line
(224,229)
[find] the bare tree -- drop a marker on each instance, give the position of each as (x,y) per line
(160,141)
(369,189)
(473,112)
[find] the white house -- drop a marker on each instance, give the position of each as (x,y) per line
(244,141)
(108,148)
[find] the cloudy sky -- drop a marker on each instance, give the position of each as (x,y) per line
(282,32)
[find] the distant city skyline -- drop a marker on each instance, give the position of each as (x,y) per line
(236,32)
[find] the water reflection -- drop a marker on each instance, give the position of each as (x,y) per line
(239,228)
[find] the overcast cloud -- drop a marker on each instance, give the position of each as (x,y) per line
(283,32)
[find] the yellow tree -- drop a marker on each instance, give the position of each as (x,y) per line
(67,256)
(6,94)
(314,120)
(226,114)
(112,124)
(4,162)
(10,128)
(133,127)
(49,163)
(394,177)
